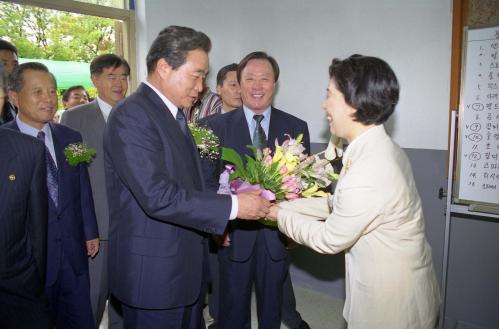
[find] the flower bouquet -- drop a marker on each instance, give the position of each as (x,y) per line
(206,141)
(286,174)
(77,153)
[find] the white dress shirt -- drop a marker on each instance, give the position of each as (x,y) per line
(28,130)
(105,108)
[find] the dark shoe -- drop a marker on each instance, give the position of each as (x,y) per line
(303,325)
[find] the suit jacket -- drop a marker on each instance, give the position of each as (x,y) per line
(23,216)
(7,115)
(157,204)
(377,219)
(73,222)
(89,121)
(232,129)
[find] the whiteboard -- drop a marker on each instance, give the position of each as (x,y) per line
(478,148)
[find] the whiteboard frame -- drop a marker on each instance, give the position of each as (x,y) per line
(455,194)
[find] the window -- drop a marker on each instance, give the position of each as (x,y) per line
(123,19)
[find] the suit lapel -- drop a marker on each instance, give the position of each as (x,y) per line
(93,128)
(162,113)
(59,145)
(95,119)
(59,155)
(165,119)
(277,129)
(240,129)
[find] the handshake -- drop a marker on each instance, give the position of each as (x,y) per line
(252,206)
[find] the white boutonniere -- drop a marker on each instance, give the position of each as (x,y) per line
(77,153)
(206,141)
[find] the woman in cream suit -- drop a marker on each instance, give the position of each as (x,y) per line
(375,215)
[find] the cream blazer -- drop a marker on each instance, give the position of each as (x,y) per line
(377,220)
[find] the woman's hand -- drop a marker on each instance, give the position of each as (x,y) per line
(274,211)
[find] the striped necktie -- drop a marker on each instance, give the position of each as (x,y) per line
(259,137)
(52,174)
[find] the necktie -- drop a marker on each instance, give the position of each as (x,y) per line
(259,137)
(183,124)
(52,185)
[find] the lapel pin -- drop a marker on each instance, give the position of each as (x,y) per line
(12,177)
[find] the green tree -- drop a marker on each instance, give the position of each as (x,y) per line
(51,34)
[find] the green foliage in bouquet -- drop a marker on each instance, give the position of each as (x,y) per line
(77,153)
(256,171)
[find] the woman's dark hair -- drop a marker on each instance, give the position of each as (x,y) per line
(369,85)
(172,45)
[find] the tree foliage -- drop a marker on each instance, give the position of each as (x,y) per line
(51,34)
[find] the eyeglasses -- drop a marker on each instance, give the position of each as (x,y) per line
(114,77)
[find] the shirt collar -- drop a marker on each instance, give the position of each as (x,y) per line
(28,130)
(249,116)
(104,107)
(172,107)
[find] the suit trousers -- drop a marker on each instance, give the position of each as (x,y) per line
(214,286)
(99,289)
(176,318)
(290,316)
(69,298)
(22,312)
(236,281)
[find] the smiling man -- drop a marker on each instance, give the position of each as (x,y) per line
(72,228)
(256,253)
(160,213)
(74,96)
(109,75)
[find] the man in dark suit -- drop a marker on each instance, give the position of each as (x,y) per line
(23,231)
(109,74)
(253,253)
(159,210)
(72,228)
(8,58)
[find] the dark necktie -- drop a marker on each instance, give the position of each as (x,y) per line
(52,185)
(259,137)
(183,124)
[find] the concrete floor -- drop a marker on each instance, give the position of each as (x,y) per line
(319,310)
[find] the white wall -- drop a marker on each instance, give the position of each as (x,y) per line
(413,36)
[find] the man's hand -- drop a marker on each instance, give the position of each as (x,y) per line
(92,247)
(252,206)
(222,240)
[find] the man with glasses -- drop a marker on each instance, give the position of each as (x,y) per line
(109,75)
